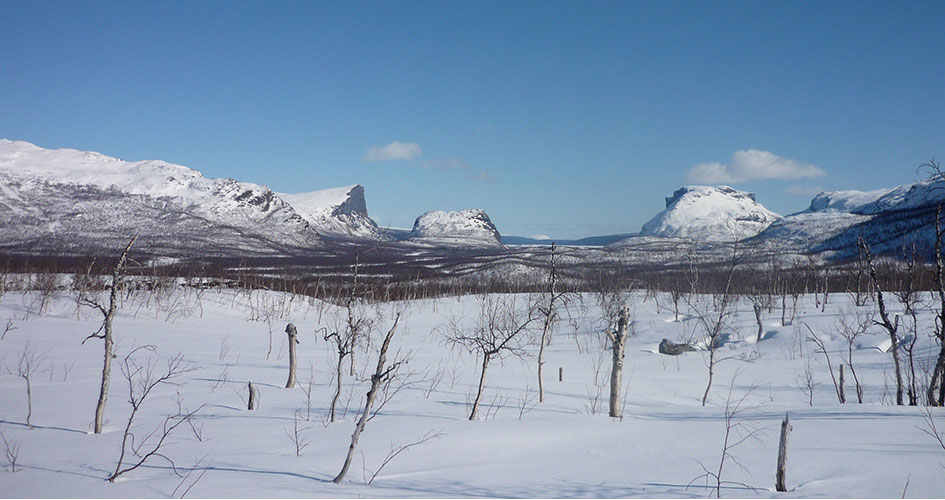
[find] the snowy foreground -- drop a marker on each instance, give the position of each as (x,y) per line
(565,447)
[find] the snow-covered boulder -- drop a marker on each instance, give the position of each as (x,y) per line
(339,212)
(707,213)
(455,228)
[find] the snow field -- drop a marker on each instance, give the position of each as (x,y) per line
(518,448)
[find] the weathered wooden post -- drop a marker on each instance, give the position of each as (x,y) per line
(560,374)
(293,339)
(779,482)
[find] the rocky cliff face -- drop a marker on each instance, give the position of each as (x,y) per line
(338,213)
(710,214)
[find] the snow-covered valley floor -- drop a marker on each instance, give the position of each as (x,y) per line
(564,447)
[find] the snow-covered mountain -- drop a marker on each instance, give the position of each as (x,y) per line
(707,213)
(885,218)
(78,202)
(339,212)
(456,228)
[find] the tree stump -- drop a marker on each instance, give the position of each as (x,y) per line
(779,481)
(293,339)
(253,397)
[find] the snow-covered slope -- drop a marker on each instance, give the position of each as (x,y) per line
(339,212)
(76,202)
(885,218)
(844,201)
(710,214)
(905,197)
(463,227)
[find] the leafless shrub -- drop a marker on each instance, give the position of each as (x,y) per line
(498,401)
(851,325)
(805,382)
(737,431)
(7,329)
(197,429)
(931,428)
(526,402)
(197,466)
(66,370)
(225,347)
(28,364)
(295,435)
(142,379)
(433,381)
(595,392)
(11,450)
(822,348)
(500,330)
(307,388)
(397,450)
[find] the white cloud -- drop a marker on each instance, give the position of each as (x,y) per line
(749,165)
(483,177)
(394,151)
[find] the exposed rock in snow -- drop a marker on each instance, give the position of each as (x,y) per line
(710,214)
(339,212)
(464,227)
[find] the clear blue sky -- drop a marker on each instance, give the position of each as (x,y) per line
(564,118)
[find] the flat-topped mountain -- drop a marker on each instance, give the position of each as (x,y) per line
(707,213)
(463,227)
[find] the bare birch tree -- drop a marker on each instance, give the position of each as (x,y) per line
(105,332)
(618,339)
(501,329)
(26,367)
(938,371)
(713,320)
(890,326)
(550,317)
(381,374)
(851,325)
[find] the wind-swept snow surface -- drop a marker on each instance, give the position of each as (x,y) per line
(565,447)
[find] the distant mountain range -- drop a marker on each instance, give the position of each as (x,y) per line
(69,202)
